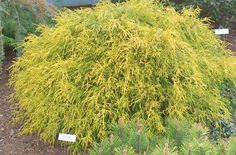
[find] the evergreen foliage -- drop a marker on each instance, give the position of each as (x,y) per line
(20,17)
(221,129)
(225,128)
(136,60)
(193,142)
(129,137)
(229,92)
(221,12)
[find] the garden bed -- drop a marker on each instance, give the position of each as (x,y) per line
(10,142)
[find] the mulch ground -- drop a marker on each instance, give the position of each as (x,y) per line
(232,40)
(11,143)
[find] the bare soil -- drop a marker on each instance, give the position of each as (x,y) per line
(232,40)
(13,144)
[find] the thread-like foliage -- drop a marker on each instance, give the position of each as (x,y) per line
(136,60)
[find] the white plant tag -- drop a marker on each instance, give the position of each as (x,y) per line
(67,137)
(221,31)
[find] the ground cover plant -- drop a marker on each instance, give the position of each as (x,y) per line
(133,60)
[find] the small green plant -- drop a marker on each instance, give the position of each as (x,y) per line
(225,128)
(221,129)
(164,150)
(178,133)
(131,137)
(137,60)
(194,141)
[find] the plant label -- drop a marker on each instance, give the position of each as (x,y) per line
(221,31)
(67,137)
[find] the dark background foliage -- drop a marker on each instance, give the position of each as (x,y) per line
(19,18)
(221,12)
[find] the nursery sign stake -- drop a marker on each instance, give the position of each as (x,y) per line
(67,137)
(221,31)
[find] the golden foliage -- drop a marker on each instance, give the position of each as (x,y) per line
(135,60)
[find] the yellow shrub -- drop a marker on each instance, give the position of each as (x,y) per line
(135,60)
